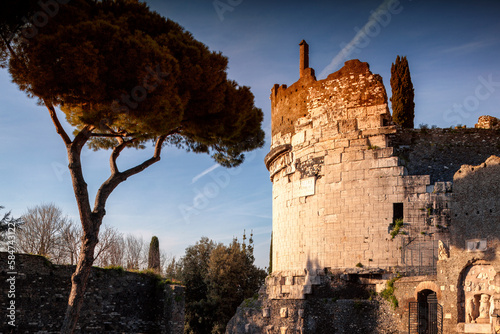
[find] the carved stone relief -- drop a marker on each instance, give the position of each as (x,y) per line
(479,288)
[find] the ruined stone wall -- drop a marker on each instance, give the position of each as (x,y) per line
(488,122)
(343,100)
(115,301)
(336,306)
(343,174)
(441,152)
(329,154)
(470,268)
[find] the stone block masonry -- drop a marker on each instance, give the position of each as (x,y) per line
(115,301)
(441,152)
(338,184)
(343,174)
(358,196)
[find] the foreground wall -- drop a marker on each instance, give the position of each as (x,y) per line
(115,302)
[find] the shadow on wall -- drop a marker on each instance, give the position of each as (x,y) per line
(475,221)
(312,266)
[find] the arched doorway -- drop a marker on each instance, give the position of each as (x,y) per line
(427,313)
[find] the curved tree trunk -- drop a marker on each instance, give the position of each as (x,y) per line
(92,219)
(79,281)
(90,225)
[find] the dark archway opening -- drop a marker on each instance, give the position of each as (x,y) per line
(427,317)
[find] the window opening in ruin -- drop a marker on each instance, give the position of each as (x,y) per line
(397,211)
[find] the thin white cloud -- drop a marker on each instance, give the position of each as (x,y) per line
(468,47)
(346,50)
(205,172)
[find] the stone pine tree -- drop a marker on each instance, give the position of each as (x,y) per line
(124,77)
(403,107)
(154,255)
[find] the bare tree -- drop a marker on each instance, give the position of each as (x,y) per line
(135,251)
(41,233)
(116,253)
(70,243)
(108,242)
(173,268)
(165,259)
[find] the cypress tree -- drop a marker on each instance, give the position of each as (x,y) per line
(403,107)
(154,255)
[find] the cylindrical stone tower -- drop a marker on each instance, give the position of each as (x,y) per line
(337,188)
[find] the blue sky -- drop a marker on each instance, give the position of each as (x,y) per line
(453,49)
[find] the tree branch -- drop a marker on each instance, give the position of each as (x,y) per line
(116,153)
(82,137)
(109,135)
(116,177)
(149,162)
(60,130)
(74,150)
(7,44)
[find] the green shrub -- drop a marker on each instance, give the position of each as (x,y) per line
(396,227)
(118,269)
(388,292)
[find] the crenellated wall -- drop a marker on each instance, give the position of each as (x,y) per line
(347,100)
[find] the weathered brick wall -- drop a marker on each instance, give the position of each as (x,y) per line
(115,301)
(345,94)
(488,122)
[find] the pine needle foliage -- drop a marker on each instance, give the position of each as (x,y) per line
(130,74)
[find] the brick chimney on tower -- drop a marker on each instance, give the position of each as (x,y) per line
(304,57)
(305,70)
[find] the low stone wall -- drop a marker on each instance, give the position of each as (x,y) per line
(116,301)
(339,304)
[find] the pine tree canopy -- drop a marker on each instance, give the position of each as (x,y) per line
(403,107)
(123,71)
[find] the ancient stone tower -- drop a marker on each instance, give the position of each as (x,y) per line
(358,200)
(337,186)
(351,189)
